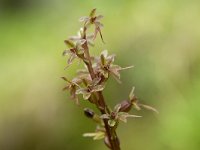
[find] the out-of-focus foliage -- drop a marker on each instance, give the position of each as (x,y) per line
(160,38)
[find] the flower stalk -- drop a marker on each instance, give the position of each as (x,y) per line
(91,81)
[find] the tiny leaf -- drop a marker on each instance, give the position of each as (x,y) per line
(95,81)
(129,67)
(81,91)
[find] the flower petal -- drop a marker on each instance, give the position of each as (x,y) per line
(66,88)
(81,42)
(90,43)
(104,53)
(86,96)
(83,19)
(74,38)
(69,43)
(98,88)
(100,135)
(123,116)
(99,24)
(110,59)
(149,108)
(64,78)
(89,134)
(95,81)
(103,61)
(71,58)
(66,52)
(93,12)
(123,119)
(131,95)
(96,135)
(105,74)
(99,17)
(105,116)
(111,123)
(117,108)
(81,91)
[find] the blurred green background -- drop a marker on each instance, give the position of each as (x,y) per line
(161,38)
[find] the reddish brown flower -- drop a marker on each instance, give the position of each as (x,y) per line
(104,65)
(91,87)
(72,87)
(75,50)
(116,115)
(80,37)
(92,19)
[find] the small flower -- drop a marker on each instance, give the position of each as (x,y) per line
(98,135)
(81,38)
(92,115)
(72,87)
(126,106)
(75,50)
(95,20)
(105,66)
(116,115)
(133,99)
(90,88)
(135,102)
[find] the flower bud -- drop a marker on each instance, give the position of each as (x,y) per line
(126,106)
(88,113)
(69,43)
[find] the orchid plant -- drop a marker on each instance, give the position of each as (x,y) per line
(91,81)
